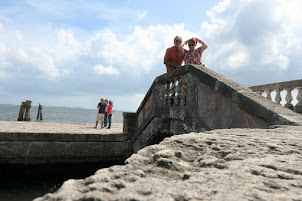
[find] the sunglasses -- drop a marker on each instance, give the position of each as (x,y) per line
(178,41)
(191,44)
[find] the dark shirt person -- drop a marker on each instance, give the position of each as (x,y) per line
(101,113)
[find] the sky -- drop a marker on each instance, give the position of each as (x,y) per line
(73,52)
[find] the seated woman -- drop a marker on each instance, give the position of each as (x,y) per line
(193,56)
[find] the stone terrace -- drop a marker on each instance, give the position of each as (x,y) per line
(39,142)
(51,127)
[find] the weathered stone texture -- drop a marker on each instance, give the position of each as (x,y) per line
(228,164)
(218,111)
(212,101)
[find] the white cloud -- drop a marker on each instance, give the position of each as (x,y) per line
(22,54)
(65,47)
(5,19)
(289,11)
(237,60)
(140,51)
(64,55)
(3,48)
(35,59)
(103,70)
(2,75)
(141,15)
(19,35)
(3,60)
(254,42)
(250,41)
(66,37)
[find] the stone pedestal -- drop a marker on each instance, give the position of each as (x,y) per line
(129,123)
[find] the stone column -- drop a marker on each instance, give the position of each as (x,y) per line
(278,96)
(27,113)
(298,107)
(177,92)
(167,94)
(289,99)
(268,92)
(260,92)
(21,112)
(172,92)
(160,95)
(183,97)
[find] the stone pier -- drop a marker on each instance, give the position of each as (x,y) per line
(40,142)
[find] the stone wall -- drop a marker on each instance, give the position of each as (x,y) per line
(58,143)
(216,110)
(194,99)
(53,148)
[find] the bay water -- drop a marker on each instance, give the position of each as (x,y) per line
(57,114)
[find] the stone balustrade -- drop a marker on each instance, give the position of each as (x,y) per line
(288,86)
(172,92)
(194,99)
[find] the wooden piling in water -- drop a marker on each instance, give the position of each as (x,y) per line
(27,112)
(21,112)
(40,112)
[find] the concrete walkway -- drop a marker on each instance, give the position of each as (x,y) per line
(51,127)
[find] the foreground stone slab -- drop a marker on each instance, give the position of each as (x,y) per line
(226,164)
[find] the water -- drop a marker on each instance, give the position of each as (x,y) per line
(26,182)
(57,114)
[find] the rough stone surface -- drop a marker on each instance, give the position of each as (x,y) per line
(228,164)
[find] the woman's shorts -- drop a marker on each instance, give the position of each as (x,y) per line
(100,116)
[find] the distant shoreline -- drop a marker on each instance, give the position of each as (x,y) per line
(81,108)
(61,114)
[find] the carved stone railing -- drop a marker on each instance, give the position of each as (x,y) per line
(194,99)
(288,86)
(172,92)
(164,104)
(166,91)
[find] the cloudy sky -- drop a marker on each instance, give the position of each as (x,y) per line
(72,52)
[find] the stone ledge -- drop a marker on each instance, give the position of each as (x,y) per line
(39,142)
(224,164)
(63,137)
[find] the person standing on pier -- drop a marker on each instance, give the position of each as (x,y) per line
(106,116)
(109,112)
(101,114)
(173,57)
